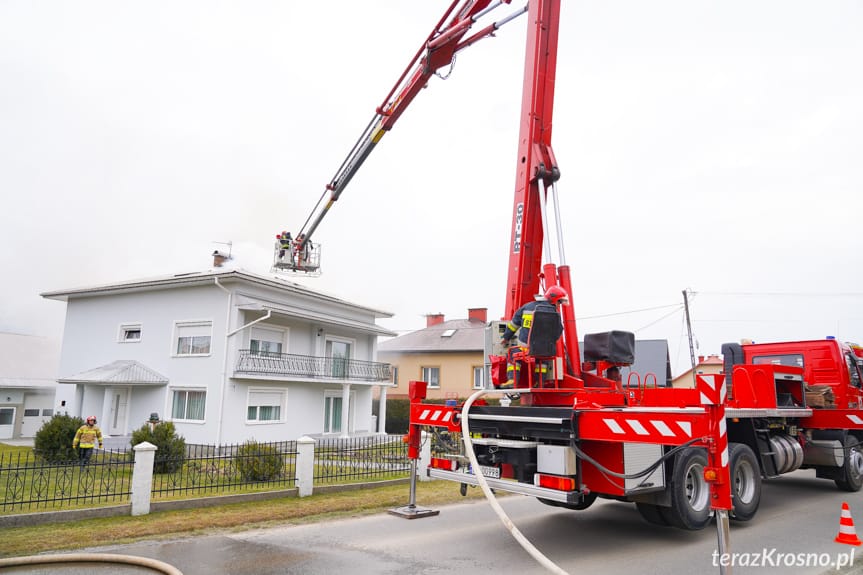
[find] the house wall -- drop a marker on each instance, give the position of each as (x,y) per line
(92,339)
(456,371)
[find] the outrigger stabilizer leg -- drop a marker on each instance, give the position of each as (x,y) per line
(416,392)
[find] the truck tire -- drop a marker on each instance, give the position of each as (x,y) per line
(853,467)
(651,514)
(690,494)
(745,481)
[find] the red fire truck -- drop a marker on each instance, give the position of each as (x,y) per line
(575,434)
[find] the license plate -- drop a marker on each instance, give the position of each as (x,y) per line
(487,471)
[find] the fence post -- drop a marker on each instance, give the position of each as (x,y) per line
(305,466)
(425,456)
(142,477)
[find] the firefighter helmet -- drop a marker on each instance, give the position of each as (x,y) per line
(91,418)
(556,295)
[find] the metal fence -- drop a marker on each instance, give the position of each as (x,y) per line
(31,483)
(360,458)
(206,469)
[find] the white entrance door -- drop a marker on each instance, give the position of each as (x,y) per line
(117,416)
(7,422)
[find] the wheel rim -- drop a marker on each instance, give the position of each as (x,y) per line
(855,463)
(744,481)
(696,487)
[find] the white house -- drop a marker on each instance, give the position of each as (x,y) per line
(227,355)
(28,373)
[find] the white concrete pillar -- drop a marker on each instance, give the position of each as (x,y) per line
(425,456)
(142,477)
(346,409)
(305,465)
(382,411)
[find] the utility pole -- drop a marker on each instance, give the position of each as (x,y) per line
(689,333)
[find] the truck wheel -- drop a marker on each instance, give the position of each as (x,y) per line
(853,468)
(690,494)
(745,481)
(651,514)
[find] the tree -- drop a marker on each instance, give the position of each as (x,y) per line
(53,441)
(170,447)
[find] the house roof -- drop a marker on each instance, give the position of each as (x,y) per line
(124,371)
(28,361)
(204,278)
(447,336)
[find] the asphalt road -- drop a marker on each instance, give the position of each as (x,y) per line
(799,515)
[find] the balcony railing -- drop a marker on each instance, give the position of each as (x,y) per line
(311,367)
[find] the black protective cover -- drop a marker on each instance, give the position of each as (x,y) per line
(544,331)
(610,346)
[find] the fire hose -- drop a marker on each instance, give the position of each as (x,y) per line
(65,558)
(507,522)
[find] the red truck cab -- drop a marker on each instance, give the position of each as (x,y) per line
(826,362)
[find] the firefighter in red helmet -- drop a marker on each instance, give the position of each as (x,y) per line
(85,440)
(521,323)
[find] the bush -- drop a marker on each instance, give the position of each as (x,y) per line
(258,461)
(53,441)
(170,447)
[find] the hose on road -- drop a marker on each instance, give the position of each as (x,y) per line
(153,564)
(507,522)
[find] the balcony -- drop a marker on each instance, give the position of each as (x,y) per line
(311,367)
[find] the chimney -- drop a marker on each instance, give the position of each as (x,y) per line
(434,319)
(477,313)
(218,259)
(700,359)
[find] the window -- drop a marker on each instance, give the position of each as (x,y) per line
(854,375)
(130,333)
(395,370)
(48,412)
(265,405)
(431,375)
(31,413)
(793,359)
(193,338)
(333,410)
(188,405)
(339,352)
(479,377)
(266,342)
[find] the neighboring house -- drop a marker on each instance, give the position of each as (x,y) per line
(28,374)
(652,364)
(447,354)
(712,364)
(227,355)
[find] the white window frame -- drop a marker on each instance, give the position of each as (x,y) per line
(483,376)
(283,402)
(187,390)
(330,394)
(351,342)
(178,325)
(423,375)
(126,328)
(281,339)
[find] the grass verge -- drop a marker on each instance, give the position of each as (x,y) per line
(20,541)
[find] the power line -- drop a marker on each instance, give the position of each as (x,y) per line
(781,294)
(675,305)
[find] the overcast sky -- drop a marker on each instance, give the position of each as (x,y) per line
(712,146)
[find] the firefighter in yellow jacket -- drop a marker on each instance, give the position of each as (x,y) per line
(85,440)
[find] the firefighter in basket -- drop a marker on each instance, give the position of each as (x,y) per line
(519,328)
